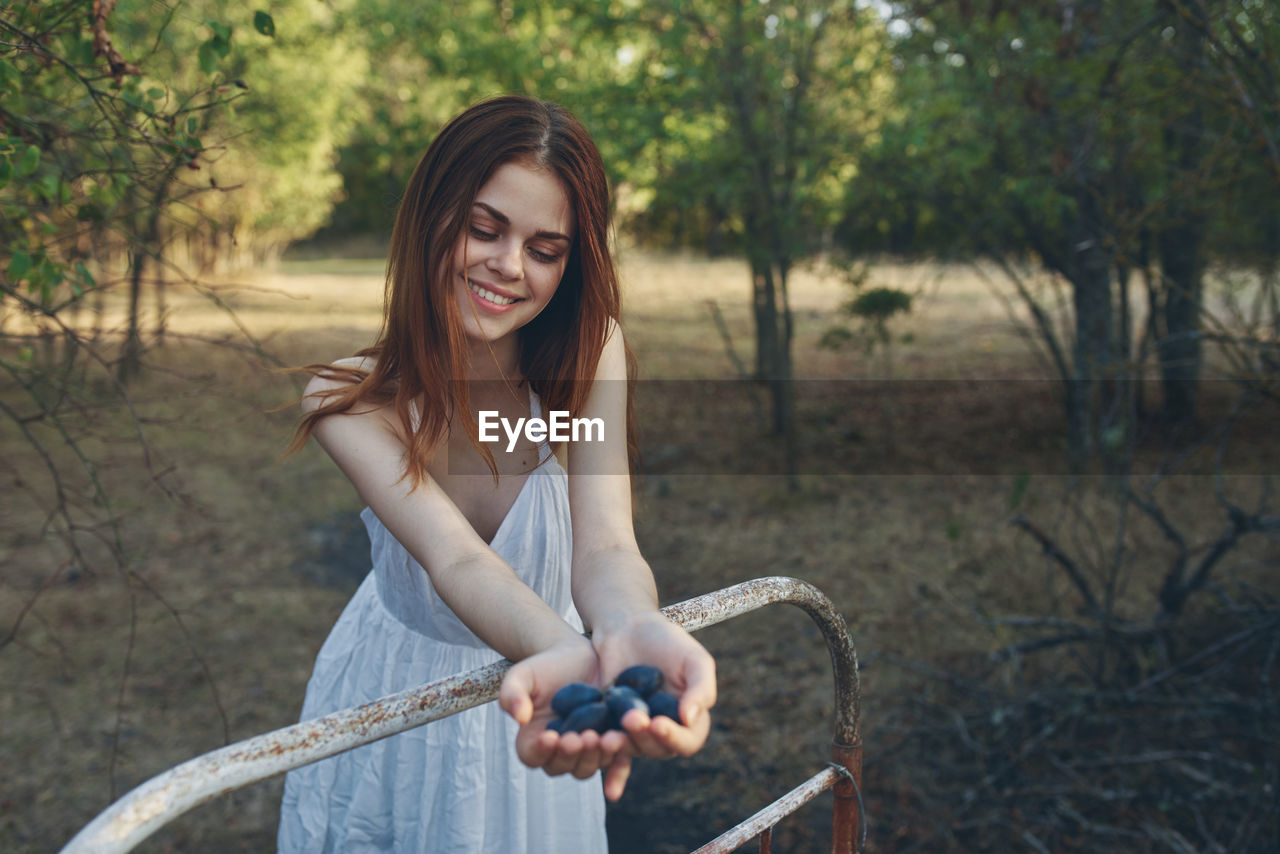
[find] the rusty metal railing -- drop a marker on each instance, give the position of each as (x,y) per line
(166,796)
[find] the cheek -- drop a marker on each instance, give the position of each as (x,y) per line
(464,252)
(460,256)
(551,284)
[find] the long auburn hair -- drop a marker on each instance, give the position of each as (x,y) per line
(419,356)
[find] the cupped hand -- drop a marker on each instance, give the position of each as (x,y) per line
(526,694)
(689,672)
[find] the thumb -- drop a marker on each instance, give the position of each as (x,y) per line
(515,695)
(700,682)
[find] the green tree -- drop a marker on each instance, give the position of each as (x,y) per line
(433,61)
(755,113)
(1091,139)
(95,157)
(271,165)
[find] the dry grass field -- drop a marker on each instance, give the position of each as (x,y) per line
(240,561)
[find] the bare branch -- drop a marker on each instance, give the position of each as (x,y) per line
(1051,549)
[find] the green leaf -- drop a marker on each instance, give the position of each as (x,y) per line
(208,58)
(220,30)
(192,125)
(221,45)
(10,75)
(155,93)
(30,161)
(264,23)
(6,172)
(85,275)
(19,265)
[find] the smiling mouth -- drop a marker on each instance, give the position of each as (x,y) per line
(485,294)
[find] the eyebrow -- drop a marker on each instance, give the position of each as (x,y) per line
(502,218)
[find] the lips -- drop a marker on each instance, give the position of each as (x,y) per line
(491,299)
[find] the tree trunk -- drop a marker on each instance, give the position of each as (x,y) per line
(1089,410)
(1180,240)
(1182,263)
(131,353)
(784,396)
(765,310)
(162,309)
(131,357)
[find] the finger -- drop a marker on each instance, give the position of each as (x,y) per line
(616,776)
(613,742)
(691,712)
(700,684)
(565,756)
(535,749)
(589,760)
(682,740)
(639,727)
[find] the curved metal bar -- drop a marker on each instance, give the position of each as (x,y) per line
(739,835)
(151,805)
(712,608)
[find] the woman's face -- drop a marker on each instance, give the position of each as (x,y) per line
(511,254)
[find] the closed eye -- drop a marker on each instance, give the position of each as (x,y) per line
(480,234)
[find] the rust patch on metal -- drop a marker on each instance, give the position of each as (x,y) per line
(846,817)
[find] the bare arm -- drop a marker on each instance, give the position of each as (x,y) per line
(470,577)
(615,593)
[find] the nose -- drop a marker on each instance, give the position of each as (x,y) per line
(506,260)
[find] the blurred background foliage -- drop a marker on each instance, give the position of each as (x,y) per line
(869,127)
(1096,143)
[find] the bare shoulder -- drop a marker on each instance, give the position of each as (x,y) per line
(321,385)
(613,358)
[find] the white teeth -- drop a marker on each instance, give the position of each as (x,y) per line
(490,295)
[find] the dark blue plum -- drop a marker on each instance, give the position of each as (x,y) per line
(662,703)
(556,725)
(641,678)
(620,700)
(589,716)
(572,696)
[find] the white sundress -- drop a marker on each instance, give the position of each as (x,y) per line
(454,785)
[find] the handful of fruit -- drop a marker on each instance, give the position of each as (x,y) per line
(580,706)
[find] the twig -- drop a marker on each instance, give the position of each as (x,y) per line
(1051,549)
(124,681)
(1225,643)
(1030,839)
(738,365)
(195,652)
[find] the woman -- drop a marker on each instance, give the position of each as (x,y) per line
(502,299)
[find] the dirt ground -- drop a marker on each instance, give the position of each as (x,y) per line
(911,462)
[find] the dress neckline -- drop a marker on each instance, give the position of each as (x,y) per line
(546,461)
(546,468)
